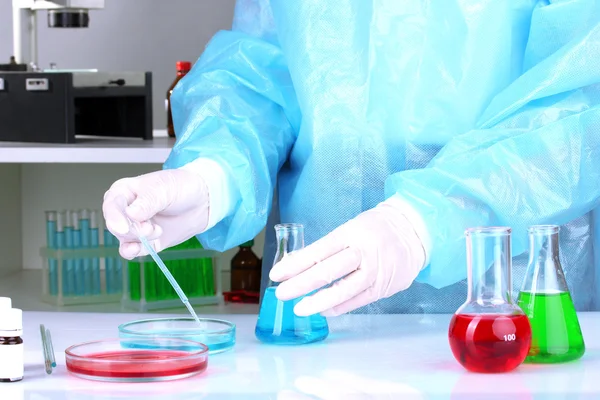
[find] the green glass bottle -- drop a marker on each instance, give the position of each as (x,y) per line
(545,298)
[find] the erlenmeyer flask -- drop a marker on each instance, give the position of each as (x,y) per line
(546,300)
(277,322)
(489,333)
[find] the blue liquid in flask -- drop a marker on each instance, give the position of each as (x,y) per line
(277,323)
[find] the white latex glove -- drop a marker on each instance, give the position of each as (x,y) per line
(169,206)
(377,254)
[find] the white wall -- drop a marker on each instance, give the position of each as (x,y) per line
(130,35)
(10,219)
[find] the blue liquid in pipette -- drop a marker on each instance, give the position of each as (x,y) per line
(277,323)
(169,277)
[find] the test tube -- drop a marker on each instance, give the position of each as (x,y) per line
(77,262)
(118,282)
(84,225)
(60,244)
(51,244)
(109,268)
(69,271)
(95,242)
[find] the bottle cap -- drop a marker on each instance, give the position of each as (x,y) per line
(11,322)
(249,243)
(5,302)
(183,65)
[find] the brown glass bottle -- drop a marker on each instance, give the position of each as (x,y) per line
(183,67)
(245,269)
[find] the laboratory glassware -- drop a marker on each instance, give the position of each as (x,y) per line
(183,67)
(69,264)
(51,243)
(245,269)
(489,332)
(109,267)
(84,224)
(277,322)
(137,359)
(95,242)
(545,298)
(61,244)
(217,334)
(79,281)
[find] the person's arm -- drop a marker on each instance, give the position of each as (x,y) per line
(235,113)
(533,159)
(501,177)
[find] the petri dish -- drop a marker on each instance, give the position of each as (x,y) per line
(217,334)
(137,360)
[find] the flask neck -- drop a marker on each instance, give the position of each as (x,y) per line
(489,267)
(543,247)
(544,272)
(290,238)
(288,241)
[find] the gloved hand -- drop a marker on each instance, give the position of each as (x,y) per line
(169,207)
(377,254)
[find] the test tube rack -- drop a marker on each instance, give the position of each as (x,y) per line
(57,294)
(81,262)
(196,270)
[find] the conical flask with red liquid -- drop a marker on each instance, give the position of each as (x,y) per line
(489,332)
(545,298)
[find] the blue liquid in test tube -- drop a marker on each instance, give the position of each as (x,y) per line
(77,262)
(118,267)
(95,242)
(110,264)
(51,244)
(60,244)
(69,265)
(86,239)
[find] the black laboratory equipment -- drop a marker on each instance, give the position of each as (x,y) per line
(57,105)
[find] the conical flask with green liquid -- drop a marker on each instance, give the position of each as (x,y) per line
(545,298)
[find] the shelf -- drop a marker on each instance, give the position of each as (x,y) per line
(24,288)
(90,150)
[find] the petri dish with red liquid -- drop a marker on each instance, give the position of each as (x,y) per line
(489,333)
(137,360)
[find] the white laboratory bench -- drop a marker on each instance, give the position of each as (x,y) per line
(366,356)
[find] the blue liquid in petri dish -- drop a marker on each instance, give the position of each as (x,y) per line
(218,335)
(213,348)
(277,323)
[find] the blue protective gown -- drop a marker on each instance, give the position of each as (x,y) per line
(475,112)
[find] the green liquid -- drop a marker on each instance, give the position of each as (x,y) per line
(195,276)
(556,334)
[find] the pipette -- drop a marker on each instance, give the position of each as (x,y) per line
(161,265)
(169,277)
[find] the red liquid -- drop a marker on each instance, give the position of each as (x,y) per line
(489,343)
(242,296)
(115,364)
